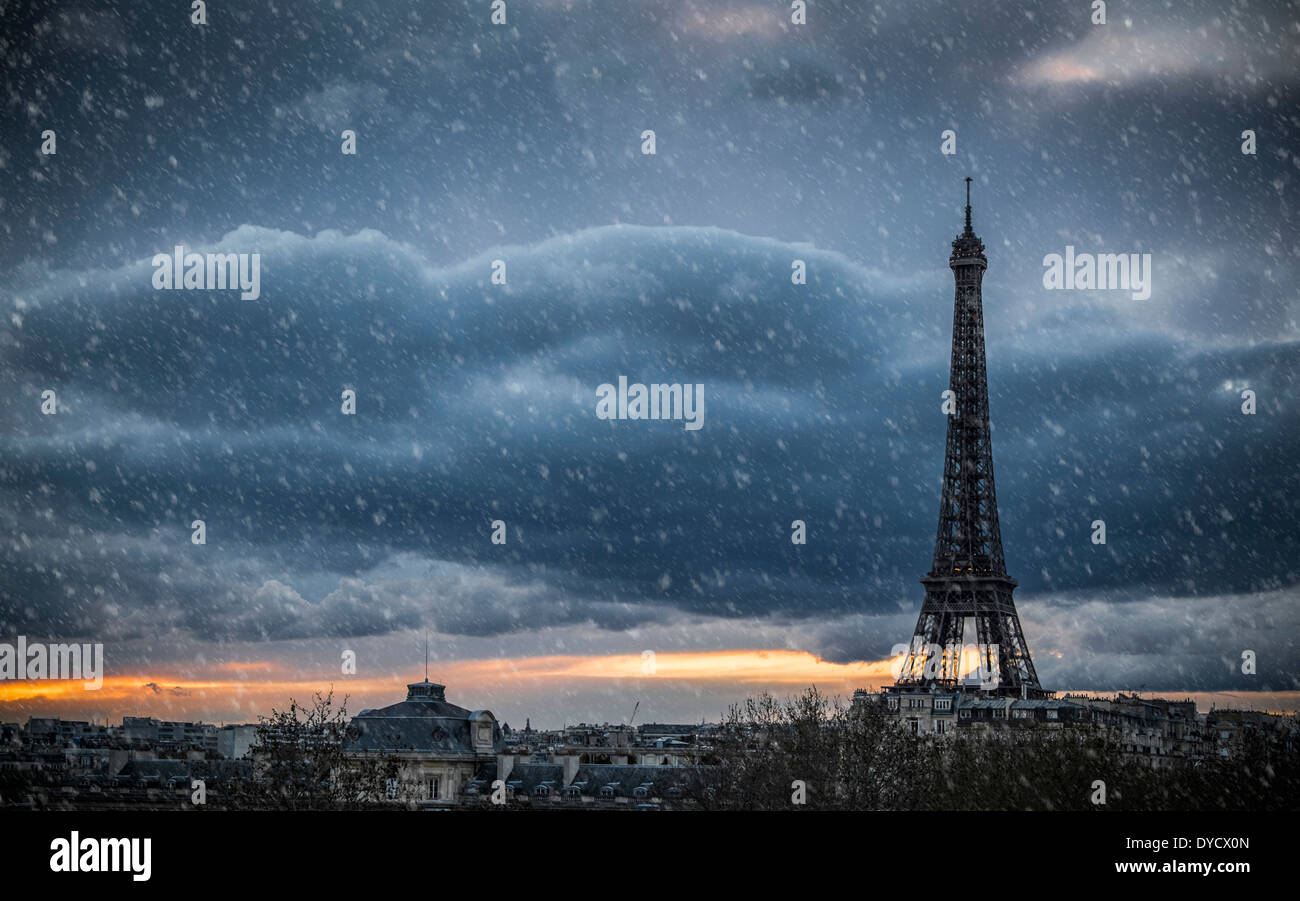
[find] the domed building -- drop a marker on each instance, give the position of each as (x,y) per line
(442,747)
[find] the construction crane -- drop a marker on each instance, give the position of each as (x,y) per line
(633,716)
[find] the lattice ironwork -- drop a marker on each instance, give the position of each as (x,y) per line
(968,619)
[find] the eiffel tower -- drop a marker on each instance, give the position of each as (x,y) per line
(968,582)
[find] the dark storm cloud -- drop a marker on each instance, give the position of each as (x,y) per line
(167,425)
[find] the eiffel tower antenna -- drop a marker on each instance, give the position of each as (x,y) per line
(426,656)
(968,578)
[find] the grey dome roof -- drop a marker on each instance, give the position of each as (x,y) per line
(425,721)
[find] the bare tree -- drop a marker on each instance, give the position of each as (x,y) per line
(300,761)
(812,753)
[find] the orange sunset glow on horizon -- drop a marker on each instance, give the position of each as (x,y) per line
(257,686)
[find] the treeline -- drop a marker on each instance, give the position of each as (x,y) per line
(776,753)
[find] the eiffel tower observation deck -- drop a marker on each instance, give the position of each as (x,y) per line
(968,635)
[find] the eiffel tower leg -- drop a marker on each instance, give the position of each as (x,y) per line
(913,669)
(1017,651)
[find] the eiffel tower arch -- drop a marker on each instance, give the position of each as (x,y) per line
(968,634)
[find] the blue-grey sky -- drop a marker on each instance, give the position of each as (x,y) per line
(476,401)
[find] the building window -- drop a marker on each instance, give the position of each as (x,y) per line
(939,726)
(916,726)
(943,703)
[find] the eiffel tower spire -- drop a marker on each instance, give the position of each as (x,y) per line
(968,229)
(968,578)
